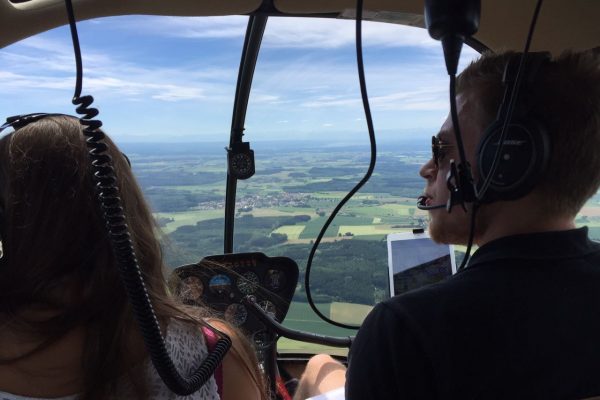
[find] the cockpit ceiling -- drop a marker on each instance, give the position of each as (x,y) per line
(504,23)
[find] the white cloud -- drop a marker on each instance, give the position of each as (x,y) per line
(285,32)
(177,93)
(329,101)
(422,99)
(264,98)
(407,86)
(328,33)
(160,77)
(39,63)
(190,27)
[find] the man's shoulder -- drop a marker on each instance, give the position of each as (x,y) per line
(468,295)
(454,286)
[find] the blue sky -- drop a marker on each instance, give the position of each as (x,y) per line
(173,79)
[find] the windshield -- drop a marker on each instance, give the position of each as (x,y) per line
(166,94)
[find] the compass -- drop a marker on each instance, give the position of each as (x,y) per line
(240,160)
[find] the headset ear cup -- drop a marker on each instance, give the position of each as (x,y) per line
(524,158)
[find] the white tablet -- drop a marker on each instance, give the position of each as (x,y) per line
(414,260)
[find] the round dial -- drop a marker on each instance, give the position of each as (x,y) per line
(236,314)
(274,279)
(269,308)
(220,285)
(241,164)
(262,339)
(191,288)
(247,282)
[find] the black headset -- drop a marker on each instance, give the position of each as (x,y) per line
(19,121)
(525,150)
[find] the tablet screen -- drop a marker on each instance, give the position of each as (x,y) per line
(415,260)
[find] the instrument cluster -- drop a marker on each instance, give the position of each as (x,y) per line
(222,281)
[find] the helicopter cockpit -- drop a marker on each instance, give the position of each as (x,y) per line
(246,126)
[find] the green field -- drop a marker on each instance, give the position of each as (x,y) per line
(292,231)
(187,218)
(313,227)
(301,317)
(361,230)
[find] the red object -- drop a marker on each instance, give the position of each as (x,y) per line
(211,341)
(281,389)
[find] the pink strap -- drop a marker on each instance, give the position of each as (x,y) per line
(211,341)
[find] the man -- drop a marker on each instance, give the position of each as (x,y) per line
(523,319)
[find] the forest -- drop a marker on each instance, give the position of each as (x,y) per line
(281,209)
(352,271)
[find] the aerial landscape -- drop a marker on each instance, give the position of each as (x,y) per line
(281,210)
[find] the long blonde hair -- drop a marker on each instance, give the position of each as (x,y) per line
(58,257)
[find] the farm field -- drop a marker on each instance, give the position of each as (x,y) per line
(281,210)
(186,218)
(301,317)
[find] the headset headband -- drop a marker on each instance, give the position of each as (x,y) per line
(532,63)
(19,121)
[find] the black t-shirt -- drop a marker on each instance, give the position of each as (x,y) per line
(521,321)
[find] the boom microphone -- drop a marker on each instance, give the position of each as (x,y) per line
(422,206)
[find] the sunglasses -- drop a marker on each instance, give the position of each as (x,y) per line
(438,149)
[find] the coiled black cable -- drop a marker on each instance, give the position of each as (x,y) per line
(116,224)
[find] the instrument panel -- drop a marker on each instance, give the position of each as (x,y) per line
(222,281)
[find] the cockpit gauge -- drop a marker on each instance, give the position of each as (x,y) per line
(236,314)
(220,285)
(191,288)
(274,279)
(240,160)
(263,339)
(269,308)
(228,278)
(247,282)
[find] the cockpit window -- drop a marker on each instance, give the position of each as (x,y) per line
(165,96)
(307,125)
(165,87)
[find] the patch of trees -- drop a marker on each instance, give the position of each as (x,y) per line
(189,243)
(268,241)
(351,271)
(348,270)
(393,185)
(171,200)
(371,202)
(301,218)
(325,172)
(177,178)
(270,171)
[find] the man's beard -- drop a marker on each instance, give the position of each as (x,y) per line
(455,227)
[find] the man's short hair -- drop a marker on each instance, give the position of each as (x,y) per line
(565,98)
